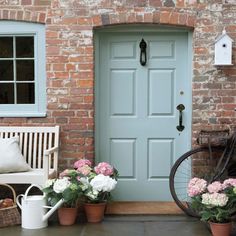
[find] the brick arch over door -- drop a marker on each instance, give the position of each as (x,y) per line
(23,15)
(163,17)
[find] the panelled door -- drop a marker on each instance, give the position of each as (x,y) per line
(138,120)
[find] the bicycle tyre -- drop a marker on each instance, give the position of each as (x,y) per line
(180,175)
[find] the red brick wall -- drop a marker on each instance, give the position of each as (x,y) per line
(70,74)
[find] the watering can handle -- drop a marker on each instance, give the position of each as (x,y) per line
(30,187)
(17,200)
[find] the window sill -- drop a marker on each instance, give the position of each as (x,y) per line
(25,114)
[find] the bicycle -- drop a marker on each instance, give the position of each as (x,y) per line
(212,160)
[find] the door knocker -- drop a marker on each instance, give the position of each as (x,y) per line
(143,53)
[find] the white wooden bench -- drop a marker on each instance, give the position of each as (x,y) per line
(40,147)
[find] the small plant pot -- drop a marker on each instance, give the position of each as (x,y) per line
(221,229)
(94,211)
(67,216)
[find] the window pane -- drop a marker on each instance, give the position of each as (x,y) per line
(25,47)
(6,47)
(25,93)
(6,70)
(24,70)
(6,93)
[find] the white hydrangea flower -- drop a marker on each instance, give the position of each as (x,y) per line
(84,180)
(103,183)
(61,184)
(92,194)
(215,199)
(49,182)
(85,183)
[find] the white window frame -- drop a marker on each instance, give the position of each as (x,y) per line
(38,109)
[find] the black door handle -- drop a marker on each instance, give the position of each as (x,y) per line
(180,108)
(143,53)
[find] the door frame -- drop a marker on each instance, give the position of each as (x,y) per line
(138,28)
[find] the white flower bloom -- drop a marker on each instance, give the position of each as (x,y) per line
(84,187)
(103,183)
(61,184)
(215,199)
(95,192)
(85,183)
(92,194)
(84,180)
(49,182)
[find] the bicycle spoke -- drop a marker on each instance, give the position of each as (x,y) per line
(195,163)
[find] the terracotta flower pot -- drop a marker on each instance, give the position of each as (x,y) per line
(221,229)
(94,211)
(67,216)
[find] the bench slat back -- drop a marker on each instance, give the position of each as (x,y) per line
(33,143)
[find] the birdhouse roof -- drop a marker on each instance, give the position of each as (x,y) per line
(223,35)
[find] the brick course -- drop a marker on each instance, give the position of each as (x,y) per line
(70,58)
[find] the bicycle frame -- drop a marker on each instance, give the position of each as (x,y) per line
(227,156)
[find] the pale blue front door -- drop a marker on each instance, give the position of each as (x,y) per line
(136,115)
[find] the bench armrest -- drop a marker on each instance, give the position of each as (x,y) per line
(46,160)
(51,150)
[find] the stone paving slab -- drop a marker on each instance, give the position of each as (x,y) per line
(120,226)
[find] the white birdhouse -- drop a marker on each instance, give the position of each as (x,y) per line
(223,50)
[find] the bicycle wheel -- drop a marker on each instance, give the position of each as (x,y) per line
(199,162)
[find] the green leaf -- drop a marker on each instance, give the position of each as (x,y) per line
(206,216)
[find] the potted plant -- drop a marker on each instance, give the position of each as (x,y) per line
(215,202)
(96,184)
(65,187)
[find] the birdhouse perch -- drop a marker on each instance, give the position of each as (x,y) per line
(223,50)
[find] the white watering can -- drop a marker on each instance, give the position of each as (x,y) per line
(34,213)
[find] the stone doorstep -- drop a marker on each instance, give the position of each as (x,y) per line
(146,208)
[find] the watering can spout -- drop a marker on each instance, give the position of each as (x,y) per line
(52,209)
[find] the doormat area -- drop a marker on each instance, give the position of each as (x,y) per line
(144,208)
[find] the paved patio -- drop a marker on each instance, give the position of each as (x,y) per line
(120,226)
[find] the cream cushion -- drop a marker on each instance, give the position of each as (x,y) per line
(11,159)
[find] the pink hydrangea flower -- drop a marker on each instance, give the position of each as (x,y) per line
(104,168)
(229,182)
(196,186)
(215,187)
(64,173)
(81,163)
(85,170)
